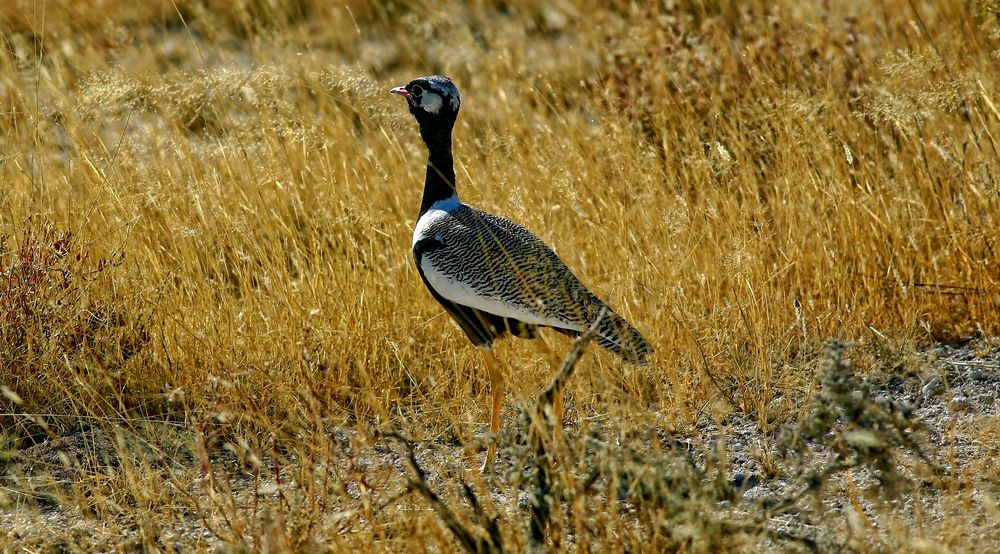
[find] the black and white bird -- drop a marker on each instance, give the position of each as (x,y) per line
(491,275)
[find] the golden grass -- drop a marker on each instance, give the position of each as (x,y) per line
(742,180)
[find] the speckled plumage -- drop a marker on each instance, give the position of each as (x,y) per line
(513,279)
(493,276)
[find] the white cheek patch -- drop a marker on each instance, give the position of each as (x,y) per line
(431,102)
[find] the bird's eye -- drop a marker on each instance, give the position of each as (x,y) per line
(416,91)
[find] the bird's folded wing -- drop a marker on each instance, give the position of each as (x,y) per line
(491,264)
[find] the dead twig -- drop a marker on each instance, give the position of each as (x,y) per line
(541,506)
(468,538)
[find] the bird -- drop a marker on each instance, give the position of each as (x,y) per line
(492,276)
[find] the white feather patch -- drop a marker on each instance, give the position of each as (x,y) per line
(431,102)
(439,209)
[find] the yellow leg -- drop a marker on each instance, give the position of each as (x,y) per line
(496,391)
(549,356)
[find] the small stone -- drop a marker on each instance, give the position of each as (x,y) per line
(906,406)
(933,387)
(959,404)
(986,399)
(743,482)
(978,375)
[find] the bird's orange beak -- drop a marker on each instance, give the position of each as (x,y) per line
(401,91)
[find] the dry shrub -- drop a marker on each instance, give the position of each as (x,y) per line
(643,492)
(57,338)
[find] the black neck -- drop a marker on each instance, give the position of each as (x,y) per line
(439,183)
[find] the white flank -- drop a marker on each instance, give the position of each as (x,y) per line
(461,293)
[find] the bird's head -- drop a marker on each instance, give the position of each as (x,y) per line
(433,100)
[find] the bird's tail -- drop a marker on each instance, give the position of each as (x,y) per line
(616,334)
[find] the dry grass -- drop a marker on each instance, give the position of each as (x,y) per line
(207,215)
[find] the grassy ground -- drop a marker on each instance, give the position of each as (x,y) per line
(207,286)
